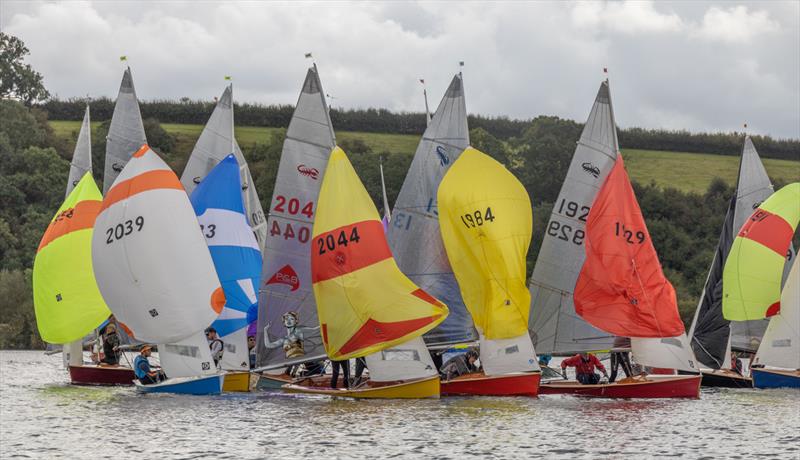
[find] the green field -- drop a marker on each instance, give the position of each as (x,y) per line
(685,171)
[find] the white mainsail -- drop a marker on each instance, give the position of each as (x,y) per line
(82,155)
(780,346)
(126,133)
(554,326)
(215,143)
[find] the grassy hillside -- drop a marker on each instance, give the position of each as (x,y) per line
(685,171)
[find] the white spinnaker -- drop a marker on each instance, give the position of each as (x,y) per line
(407,361)
(508,356)
(158,277)
(665,353)
(780,346)
(215,143)
(189,357)
(126,132)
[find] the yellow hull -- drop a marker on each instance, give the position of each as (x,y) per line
(236,382)
(413,389)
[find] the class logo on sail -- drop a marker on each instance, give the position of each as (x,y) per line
(308,171)
(287,276)
(444,160)
(591,169)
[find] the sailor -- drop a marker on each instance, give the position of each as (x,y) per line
(736,364)
(110,345)
(361,364)
(214,344)
(459,365)
(142,369)
(547,371)
(251,347)
(344,365)
(620,356)
(584,364)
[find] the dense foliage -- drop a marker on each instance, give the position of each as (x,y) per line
(17,79)
(34,166)
(385,121)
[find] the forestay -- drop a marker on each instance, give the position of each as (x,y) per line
(288,328)
(126,133)
(82,156)
(215,143)
(554,326)
(781,344)
(414,232)
(364,302)
(66,298)
(217,201)
(150,259)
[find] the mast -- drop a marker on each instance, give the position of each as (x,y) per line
(428,116)
(414,235)
(554,326)
(387,212)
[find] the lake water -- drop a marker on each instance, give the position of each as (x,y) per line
(42,416)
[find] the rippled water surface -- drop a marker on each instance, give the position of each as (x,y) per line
(42,416)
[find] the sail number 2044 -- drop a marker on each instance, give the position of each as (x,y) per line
(331,242)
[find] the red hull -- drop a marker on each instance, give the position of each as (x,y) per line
(478,384)
(101,375)
(663,387)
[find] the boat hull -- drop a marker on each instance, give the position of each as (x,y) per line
(662,387)
(101,375)
(270,382)
(409,389)
(236,381)
(774,378)
(202,385)
(479,384)
(724,379)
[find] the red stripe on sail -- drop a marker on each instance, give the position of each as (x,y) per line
(151,180)
(768,229)
(773,309)
(347,249)
(81,217)
(427,297)
(375,332)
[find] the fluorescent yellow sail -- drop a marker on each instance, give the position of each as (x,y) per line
(365,303)
(67,301)
(486,224)
(751,279)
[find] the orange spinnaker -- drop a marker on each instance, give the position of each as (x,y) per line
(621,288)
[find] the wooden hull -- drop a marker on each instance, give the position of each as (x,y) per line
(203,385)
(774,378)
(724,379)
(236,381)
(101,375)
(478,384)
(271,382)
(410,389)
(651,387)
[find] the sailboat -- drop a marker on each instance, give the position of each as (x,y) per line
(414,234)
(215,143)
(752,286)
(154,269)
(66,298)
(486,223)
(126,132)
(288,328)
(712,336)
(568,271)
(220,209)
(366,306)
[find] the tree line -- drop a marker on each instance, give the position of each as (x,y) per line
(188,111)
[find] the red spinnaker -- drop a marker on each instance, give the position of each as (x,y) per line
(621,288)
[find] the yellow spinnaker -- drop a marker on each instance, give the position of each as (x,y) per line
(751,279)
(67,301)
(364,302)
(486,223)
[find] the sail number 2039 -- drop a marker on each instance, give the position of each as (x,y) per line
(124,229)
(477,218)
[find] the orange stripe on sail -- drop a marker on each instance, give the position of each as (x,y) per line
(81,217)
(151,180)
(218,300)
(347,249)
(375,332)
(768,229)
(142,150)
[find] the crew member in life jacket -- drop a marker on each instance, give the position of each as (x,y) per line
(459,365)
(584,364)
(144,372)
(215,345)
(292,343)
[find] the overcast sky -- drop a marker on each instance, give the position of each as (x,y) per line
(677,65)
